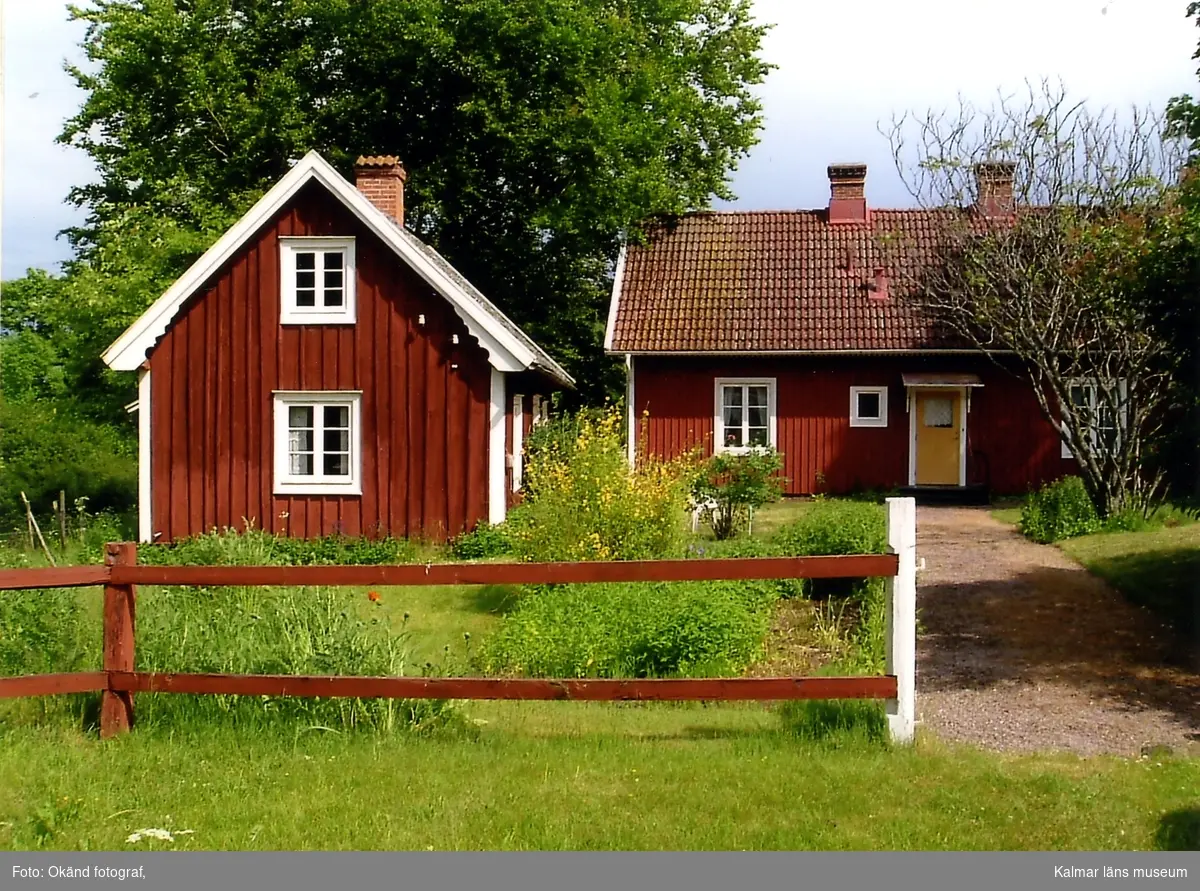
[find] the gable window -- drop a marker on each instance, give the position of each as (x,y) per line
(1093,404)
(318,443)
(745,414)
(868,406)
(317,281)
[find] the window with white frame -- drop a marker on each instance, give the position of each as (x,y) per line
(745,414)
(317,281)
(868,406)
(318,445)
(1094,408)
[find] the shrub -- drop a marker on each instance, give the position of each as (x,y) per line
(584,501)
(290,631)
(835,527)
(737,484)
(633,630)
(1062,509)
(484,541)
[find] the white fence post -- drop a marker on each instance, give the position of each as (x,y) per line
(901,615)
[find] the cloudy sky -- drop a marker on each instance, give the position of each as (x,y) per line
(843,67)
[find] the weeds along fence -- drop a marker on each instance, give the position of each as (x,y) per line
(118,682)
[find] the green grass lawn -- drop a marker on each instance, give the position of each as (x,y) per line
(1157,568)
(653,778)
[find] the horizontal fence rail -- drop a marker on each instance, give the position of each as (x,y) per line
(583,689)
(726,569)
(118,682)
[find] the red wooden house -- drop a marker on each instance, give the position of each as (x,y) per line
(320,369)
(792,328)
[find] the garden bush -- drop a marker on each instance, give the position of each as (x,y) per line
(834,528)
(633,630)
(736,484)
(584,502)
(484,541)
(1062,509)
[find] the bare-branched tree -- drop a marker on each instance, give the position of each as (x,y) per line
(1043,207)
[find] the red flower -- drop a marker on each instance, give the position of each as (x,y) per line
(373,596)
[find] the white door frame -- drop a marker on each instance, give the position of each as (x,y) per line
(964,408)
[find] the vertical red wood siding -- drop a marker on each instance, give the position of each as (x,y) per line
(1010,445)
(424,398)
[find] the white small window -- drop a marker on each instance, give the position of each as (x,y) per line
(318,448)
(1094,406)
(317,281)
(868,406)
(745,414)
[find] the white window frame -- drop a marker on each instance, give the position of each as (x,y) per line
(289,312)
(856,420)
(1092,387)
(719,385)
(318,484)
(518,440)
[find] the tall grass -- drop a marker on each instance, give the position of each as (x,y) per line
(288,631)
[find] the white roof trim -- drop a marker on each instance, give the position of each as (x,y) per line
(506,352)
(615,300)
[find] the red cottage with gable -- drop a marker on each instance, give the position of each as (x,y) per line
(789,328)
(321,370)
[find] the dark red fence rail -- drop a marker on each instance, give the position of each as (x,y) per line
(118,682)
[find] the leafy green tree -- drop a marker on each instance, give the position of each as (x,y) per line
(535,132)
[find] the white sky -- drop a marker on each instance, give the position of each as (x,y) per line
(843,67)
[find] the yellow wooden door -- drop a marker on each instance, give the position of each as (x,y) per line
(938,440)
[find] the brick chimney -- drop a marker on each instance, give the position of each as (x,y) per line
(994,187)
(381,178)
(847,197)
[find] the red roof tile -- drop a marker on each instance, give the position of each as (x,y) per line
(778,281)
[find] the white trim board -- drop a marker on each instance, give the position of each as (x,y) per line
(145,504)
(615,300)
(497,505)
(630,412)
(506,350)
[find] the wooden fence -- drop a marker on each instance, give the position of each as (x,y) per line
(120,576)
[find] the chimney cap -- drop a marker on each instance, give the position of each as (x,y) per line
(996,169)
(389,163)
(848,170)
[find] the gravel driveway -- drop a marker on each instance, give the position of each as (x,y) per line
(1020,648)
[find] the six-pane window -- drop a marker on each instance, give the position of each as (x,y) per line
(1093,406)
(317,281)
(744,414)
(319,442)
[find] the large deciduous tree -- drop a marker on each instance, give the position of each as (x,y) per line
(535,133)
(1051,273)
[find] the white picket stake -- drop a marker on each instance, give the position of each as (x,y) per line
(901,616)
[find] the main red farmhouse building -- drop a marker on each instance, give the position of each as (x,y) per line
(792,328)
(321,370)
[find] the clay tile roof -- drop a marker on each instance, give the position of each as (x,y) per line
(766,281)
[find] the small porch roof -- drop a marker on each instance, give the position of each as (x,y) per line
(941,379)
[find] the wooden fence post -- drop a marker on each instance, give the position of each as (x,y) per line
(901,616)
(116,706)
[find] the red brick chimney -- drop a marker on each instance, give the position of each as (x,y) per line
(847,197)
(994,187)
(381,178)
